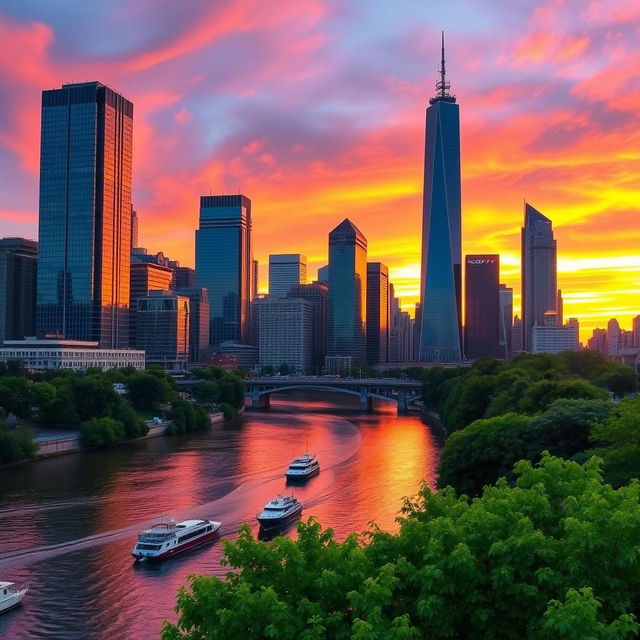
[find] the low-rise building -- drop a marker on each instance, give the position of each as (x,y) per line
(550,339)
(49,353)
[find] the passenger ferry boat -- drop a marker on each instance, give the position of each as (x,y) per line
(302,468)
(279,512)
(166,538)
(10,595)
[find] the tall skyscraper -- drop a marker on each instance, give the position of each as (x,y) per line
(347,293)
(323,273)
(440,290)
(85,214)
(377,313)
(223,265)
(506,321)
(482,307)
(198,321)
(539,277)
(134,228)
(286,270)
(636,331)
(254,279)
(18,267)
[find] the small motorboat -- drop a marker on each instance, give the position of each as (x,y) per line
(166,538)
(10,595)
(279,512)
(302,468)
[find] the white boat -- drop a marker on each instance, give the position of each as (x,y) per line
(10,595)
(166,538)
(304,467)
(279,512)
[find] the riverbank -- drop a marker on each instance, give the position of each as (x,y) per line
(59,443)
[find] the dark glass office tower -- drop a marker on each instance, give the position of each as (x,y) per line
(440,293)
(347,293)
(377,313)
(539,273)
(18,267)
(482,307)
(85,214)
(223,265)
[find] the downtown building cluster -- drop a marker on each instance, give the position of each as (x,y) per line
(88,286)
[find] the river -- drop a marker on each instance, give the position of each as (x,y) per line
(69,523)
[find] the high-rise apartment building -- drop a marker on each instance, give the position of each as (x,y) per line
(613,337)
(85,214)
(145,277)
(163,329)
(347,293)
(482,306)
(286,332)
(318,294)
(377,313)
(539,276)
(285,271)
(440,289)
(551,338)
(223,265)
(598,341)
(506,321)
(18,268)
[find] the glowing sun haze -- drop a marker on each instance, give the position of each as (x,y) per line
(315,110)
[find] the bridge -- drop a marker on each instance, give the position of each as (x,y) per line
(403,392)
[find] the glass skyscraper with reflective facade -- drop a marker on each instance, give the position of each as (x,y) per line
(223,265)
(347,293)
(85,214)
(539,273)
(440,291)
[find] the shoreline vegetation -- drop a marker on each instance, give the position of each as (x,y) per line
(89,404)
(532,532)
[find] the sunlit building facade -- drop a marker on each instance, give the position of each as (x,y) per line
(539,273)
(224,265)
(85,214)
(347,293)
(377,313)
(440,290)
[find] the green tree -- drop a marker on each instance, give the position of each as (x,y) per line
(564,428)
(93,396)
(148,390)
(134,427)
(101,432)
(483,452)
(618,440)
(554,557)
(16,396)
(186,416)
(284,369)
(585,363)
(16,444)
(207,391)
(267,370)
(620,380)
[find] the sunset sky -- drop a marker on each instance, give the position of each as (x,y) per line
(315,110)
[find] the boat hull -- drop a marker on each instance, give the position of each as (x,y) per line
(301,477)
(12,601)
(268,524)
(174,551)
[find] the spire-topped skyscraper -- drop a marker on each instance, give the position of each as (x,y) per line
(440,290)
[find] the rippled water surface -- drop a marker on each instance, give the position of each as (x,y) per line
(68,524)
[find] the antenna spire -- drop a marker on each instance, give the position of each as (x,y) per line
(442,86)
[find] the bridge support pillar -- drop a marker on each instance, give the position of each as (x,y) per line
(366,402)
(402,404)
(260,401)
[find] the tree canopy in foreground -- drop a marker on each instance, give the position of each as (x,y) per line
(556,556)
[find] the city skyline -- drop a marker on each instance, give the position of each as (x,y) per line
(535,125)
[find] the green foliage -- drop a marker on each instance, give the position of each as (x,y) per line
(230,387)
(483,452)
(187,416)
(586,364)
(554,557)
(134,427)
(148,390)
(621,432)
(101,432)
(207,391)
(16,444)
(93,396)
(267,370)
(620,380)
(284,369)
(228,411)
(16,396)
